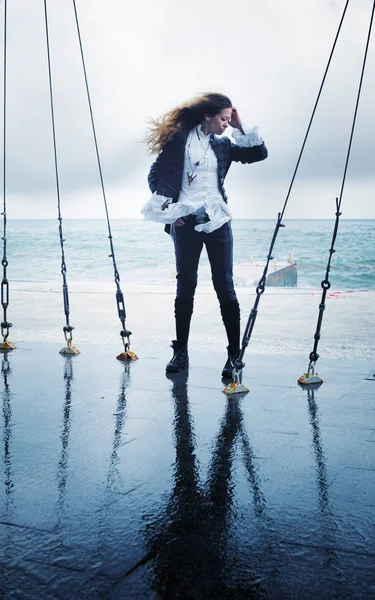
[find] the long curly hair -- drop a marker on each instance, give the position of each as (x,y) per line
(185,116)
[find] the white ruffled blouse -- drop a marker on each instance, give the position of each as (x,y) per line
(199,190)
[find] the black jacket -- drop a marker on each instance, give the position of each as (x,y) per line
(166,172)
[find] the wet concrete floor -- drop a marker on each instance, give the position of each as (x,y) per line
(121,483)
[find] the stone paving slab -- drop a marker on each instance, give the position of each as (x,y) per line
(119,482)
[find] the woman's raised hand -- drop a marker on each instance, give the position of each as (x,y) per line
(235,120)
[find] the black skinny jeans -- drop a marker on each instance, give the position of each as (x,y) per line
(188,245)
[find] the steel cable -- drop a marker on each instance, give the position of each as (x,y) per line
(67,329)
(119,295)
(262,282)
(326,283)
(5,325)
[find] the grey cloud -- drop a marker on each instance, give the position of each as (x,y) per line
(269,58)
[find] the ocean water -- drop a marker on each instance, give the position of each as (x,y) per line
(144,253)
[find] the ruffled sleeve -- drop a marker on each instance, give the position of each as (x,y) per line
(249,138)
(162,210)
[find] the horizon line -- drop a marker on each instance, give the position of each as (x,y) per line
(233,219)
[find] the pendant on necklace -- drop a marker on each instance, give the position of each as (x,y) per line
(190,178)
(196,164)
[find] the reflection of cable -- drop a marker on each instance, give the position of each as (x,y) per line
(7,431)
(65,432)
(106,524)
(328,526)
(318,451)
(120,419)
(8,540)
(253,476)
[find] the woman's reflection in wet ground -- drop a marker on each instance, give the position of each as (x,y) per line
(190,541)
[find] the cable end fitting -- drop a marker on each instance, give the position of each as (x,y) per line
(69,350)
(311,377)
(308,379)
(6,346)
(235,388)
(127,356)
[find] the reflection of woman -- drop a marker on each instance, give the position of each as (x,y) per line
(192,539)
(187,181)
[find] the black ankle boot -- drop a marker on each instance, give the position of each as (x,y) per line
(229,365)
(179,360)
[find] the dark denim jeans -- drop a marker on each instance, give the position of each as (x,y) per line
(188,245)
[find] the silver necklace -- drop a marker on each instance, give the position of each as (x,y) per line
(190,175)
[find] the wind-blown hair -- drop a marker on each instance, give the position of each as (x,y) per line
(185,116)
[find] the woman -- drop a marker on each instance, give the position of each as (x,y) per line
(187,184)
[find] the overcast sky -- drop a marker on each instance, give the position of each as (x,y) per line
(144,57)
